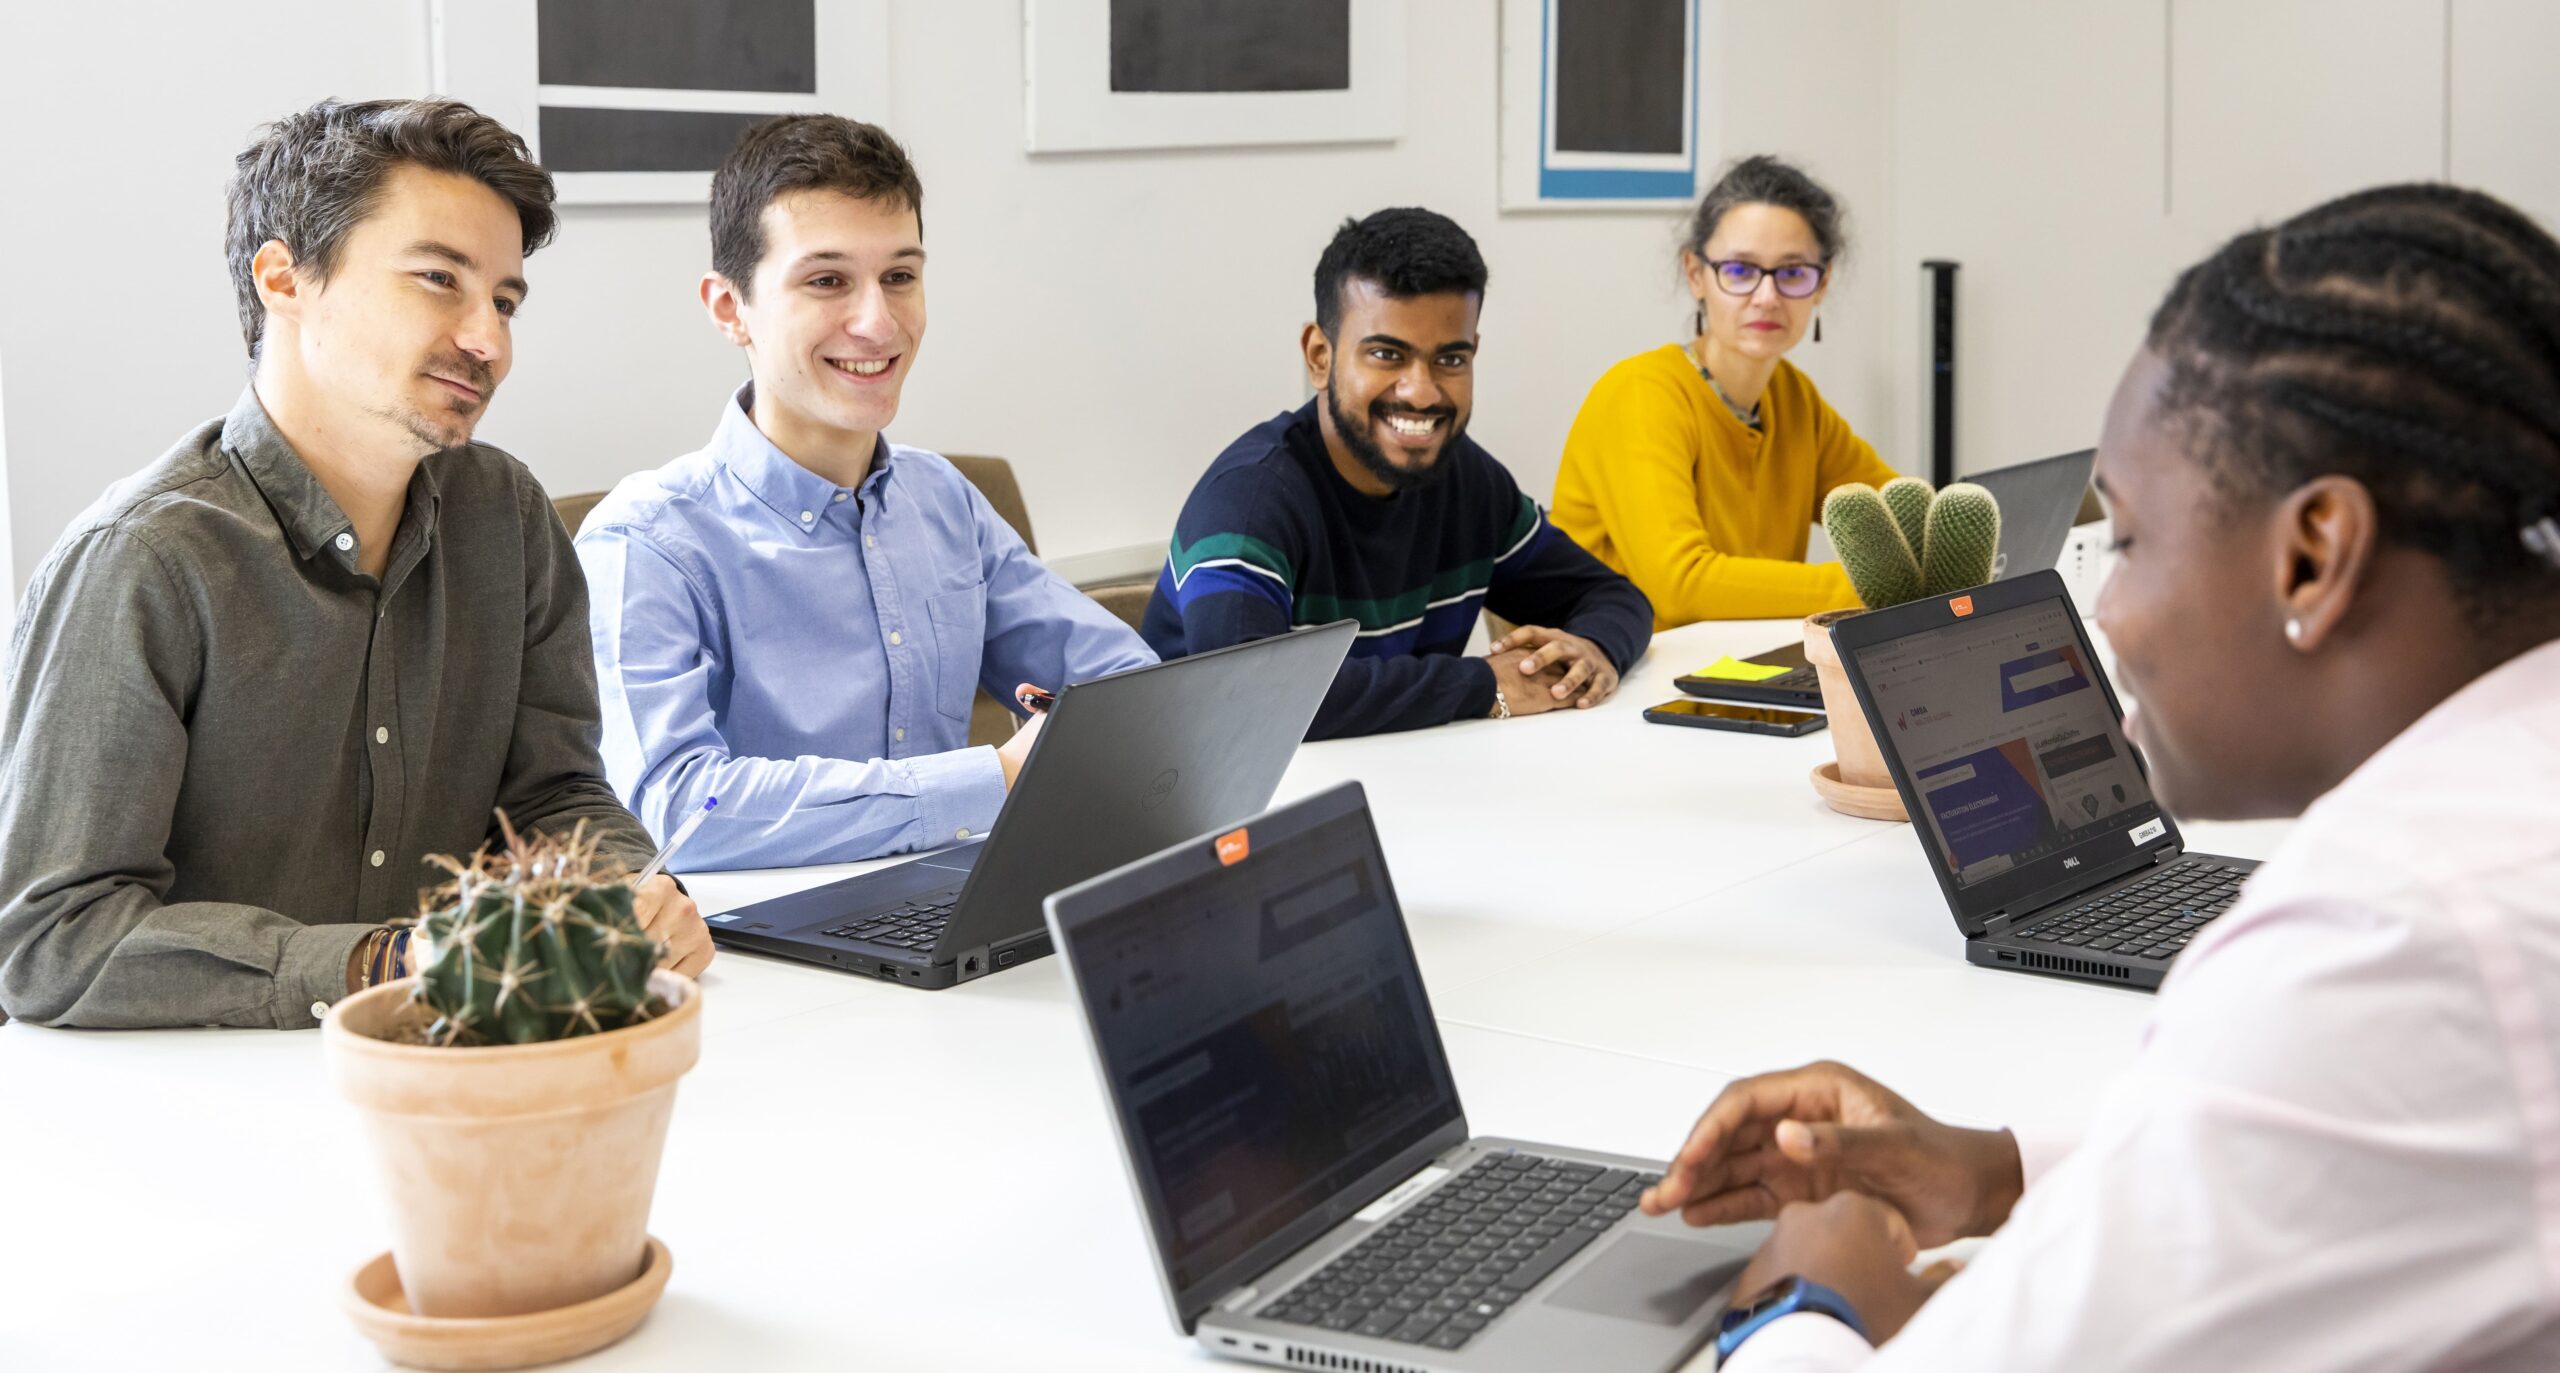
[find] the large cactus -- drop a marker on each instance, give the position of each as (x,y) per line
(535,942)
(1958,533)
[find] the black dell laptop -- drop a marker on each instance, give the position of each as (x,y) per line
(1125,765)
(2006,743)
(1293,1132)
(2038,502)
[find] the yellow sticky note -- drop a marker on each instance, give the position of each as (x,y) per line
(1731,669)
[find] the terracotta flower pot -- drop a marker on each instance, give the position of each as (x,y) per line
(519,1175)
(1857,783)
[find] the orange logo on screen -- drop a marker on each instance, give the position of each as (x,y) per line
(1233,846)
(1961,605)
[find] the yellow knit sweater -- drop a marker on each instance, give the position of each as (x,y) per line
(1706,515)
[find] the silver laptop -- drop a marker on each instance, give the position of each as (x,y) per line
(1295,1140)
(2038,502)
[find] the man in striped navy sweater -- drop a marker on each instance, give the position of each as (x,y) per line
(1371,503)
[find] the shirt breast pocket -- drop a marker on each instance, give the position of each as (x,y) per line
(959,644)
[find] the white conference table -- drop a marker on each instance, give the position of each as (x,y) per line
(1613,919)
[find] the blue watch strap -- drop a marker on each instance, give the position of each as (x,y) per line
(1787,1298)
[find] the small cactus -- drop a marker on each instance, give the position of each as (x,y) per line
(532,943)
(1908,498)
(1957,537)
(1963,543)
(1880,561)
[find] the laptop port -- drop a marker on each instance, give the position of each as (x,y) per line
(1005,957)
(969,966)
(889,971)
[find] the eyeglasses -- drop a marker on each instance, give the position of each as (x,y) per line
(1796,280)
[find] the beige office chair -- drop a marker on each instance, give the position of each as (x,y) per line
(990,722)
(573,509)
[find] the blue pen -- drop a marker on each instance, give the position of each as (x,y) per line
(683,832)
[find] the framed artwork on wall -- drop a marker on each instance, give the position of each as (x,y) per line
(630,102)
(1103,75)
(1602,106)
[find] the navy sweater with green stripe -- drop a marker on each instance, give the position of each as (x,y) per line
(1273,537)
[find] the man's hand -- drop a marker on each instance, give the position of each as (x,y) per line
(1524,694)
(1820,1130)
(1014,752)
(671,917)
(1586,679)
(1855,1245)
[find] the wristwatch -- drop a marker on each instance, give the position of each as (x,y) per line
(1788,1297)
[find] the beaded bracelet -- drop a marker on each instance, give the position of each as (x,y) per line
(382,961)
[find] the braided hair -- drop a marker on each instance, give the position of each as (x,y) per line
(2407,337)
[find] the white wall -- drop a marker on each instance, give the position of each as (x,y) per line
(117,127)
(2076,157)
(1107,321)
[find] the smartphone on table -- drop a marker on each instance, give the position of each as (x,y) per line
(1747,719)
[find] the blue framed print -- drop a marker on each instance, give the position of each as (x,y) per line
(1602,102)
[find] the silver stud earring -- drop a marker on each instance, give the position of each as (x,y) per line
(2293,632)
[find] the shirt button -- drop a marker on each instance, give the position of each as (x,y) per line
(806,516)
(345,542)
(896,638)
(902,736)
(839,495)
(870,542)
(381,735)
(964,831)
(377,858)
(319,1009)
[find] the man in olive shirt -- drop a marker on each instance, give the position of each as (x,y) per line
(326,636)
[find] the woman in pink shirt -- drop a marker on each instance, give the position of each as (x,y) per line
(2334,475)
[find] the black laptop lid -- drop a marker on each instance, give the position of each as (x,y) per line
(2006,743)
(1263,1035)
(1129,763)
(2038,502)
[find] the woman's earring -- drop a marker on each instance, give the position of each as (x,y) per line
(1698,318)
(1817,328)
(2293,632)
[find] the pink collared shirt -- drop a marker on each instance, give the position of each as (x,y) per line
(2339,1147)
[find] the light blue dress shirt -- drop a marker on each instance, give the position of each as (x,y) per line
(810,654)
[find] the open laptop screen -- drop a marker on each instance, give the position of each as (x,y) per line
(2004,731)
(1265,1032)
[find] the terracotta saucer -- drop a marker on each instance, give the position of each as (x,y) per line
(1867,803)
(381,1311)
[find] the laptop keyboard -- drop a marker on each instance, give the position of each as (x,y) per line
(2151,919)
(917,925)
(1450,1264)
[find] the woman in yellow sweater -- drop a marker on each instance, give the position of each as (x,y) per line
(1697,470)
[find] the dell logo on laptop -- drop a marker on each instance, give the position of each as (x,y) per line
(2069,863)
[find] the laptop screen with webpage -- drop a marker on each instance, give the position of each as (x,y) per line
(2002,726)
(1264,1033)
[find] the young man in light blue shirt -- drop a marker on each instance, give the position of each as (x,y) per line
(797,618)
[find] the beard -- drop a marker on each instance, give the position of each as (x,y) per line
(448,421)
(1361,439)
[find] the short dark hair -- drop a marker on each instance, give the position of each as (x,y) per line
(311,177)
(800,152)
(1407,252)
(2407,337)
(1766,180)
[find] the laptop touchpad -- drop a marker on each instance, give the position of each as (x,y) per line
(1651,1278)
